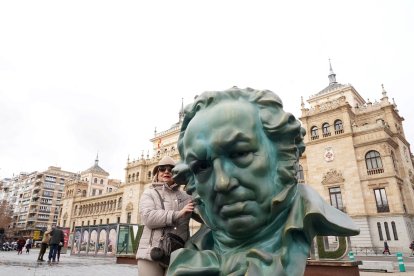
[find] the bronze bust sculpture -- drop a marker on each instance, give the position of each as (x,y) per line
(239,152)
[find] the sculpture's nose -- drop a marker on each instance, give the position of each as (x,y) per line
(222,176)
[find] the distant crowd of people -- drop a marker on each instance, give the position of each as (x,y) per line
(53,238)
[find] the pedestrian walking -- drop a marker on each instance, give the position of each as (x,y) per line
(28,245)
(20,244)
(44,245)
(60,245)
(386,248)
(57,237)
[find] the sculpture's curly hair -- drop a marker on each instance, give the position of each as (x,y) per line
(282,128)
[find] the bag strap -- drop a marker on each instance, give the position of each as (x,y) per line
(163,207)
(162,201)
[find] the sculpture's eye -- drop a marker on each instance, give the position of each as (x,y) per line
(242,158)
(200,166)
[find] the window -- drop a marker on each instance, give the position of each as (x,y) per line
(94,222)
(336,198)
(133,177)
(339,128)
(149,174)
(107,221)
(394,162)
(314,133)
(299,175)
(380,231)
(325,130)
(387,231)
(120,203)
(394,230)
(381,200)
(100,221)
(82,222)
(118,219)
(373,162)
(93,192)
(129,218)
(101,182)
(129,178)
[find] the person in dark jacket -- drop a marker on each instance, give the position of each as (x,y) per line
(57,237)
(386,248)
(20,244)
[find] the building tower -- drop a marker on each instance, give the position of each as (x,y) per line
(358,159)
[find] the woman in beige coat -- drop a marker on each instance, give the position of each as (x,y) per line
(174,218)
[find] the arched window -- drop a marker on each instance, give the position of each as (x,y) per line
(149,174)
(84,193)
(299,175)
(129,178)
(101,181)
(314,133)
(380,231)
(120,203)
(133,177)
(373,162)
(325,130)
(387,231)
(394,230)
(339,128)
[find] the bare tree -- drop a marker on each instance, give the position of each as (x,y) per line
(5,219)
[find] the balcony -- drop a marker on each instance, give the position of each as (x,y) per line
(31,219)
(314,137)
(326,134)
(339,131)
(375,171)
(383,209)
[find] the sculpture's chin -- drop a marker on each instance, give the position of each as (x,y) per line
(242,226)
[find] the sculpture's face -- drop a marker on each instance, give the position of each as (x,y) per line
(228,152)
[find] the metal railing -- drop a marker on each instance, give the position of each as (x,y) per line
(373,251)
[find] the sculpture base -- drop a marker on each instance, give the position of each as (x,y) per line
(329,268)
(126,259)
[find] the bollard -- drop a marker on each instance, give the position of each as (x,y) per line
(400,262)
(351,256)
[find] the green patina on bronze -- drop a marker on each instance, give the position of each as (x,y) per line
(239,152)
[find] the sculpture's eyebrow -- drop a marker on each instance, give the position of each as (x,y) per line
(236,136)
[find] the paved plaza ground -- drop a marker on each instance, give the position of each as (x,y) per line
(12,264)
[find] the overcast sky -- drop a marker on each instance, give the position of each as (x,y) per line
(81,77)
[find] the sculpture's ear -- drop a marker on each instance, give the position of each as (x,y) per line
(181,173)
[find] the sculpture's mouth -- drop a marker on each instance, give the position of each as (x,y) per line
(235,209)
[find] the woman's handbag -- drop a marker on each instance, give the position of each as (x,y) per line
(169,242)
